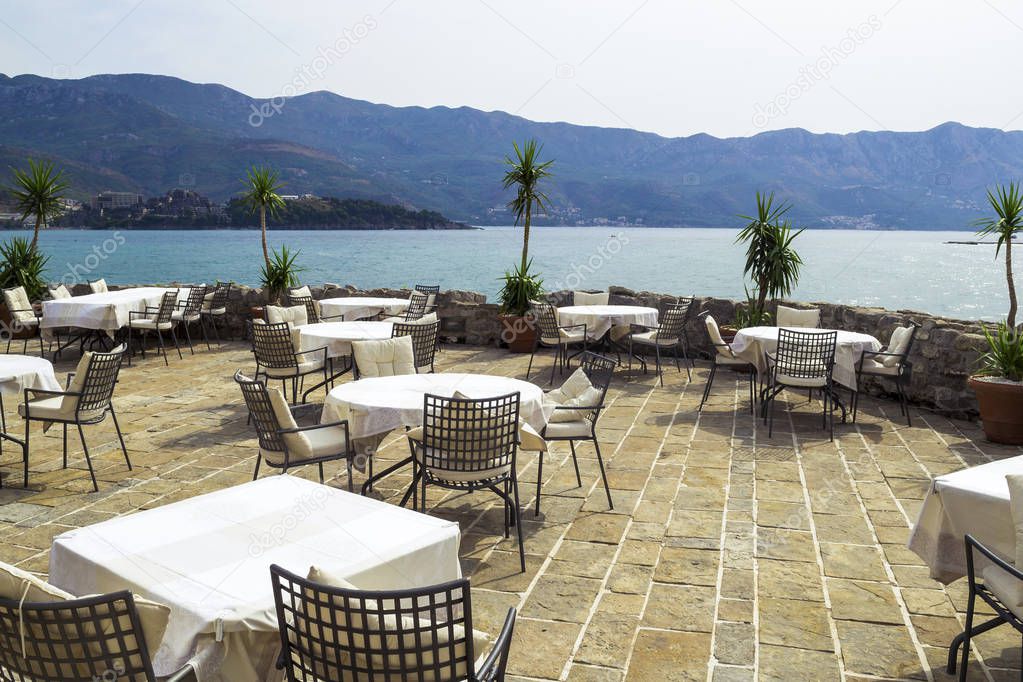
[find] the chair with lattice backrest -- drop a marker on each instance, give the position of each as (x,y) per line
(157,319)
(725,357)
(93,638)
(669,334)
(25,320)
(891,362)
(431,291)
(276,358)
(215,306)
(283,444)
(424,341)
(330,630)
(550,333)
(87,400)
(312,311)
(805,360)
(189,312)
(577,406)
(468,444)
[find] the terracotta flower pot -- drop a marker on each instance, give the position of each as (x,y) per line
(1001,409)
(518,332)
(727,333)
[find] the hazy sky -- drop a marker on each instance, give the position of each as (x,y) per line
(725,67)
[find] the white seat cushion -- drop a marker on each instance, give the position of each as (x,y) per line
(99,286)
(63,407)
(652,338)
(295,315)
(1007,588)
(179,315)
(720,359)
(19,306)
(304,367)
(803,382)
(579,428)
(429,318)
(384,357)
(584,298)
(575,335)
(871,366)
(577,391)
(897,346)
(302,445)
(300,292)
(149,323)
(60,291)
(796,318)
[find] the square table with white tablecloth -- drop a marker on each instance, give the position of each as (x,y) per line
(208,558)
(107,311)
(599,319)
(974,501)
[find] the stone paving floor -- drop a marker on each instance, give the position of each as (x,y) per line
(728,556)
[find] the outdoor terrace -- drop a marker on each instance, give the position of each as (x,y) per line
(728,556)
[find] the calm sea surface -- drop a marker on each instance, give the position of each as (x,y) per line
(896,270)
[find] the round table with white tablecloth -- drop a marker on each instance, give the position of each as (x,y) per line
(18,372)
(359,307)
(599,319)
(338,336)
(752,343)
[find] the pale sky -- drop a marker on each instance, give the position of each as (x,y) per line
(675,67)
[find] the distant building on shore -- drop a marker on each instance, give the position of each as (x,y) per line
(117,201)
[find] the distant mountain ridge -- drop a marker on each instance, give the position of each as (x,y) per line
(145,133)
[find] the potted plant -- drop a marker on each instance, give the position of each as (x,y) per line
(262,184)
(20,265)
(38,192)
(999,383)
(279,273)
(771,262)
(525,173)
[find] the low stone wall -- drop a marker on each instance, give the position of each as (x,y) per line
(945,352)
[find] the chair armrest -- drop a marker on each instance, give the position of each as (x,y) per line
(972,543)
(186,674)
(44,391)
(493,667)
(332,317)
(581,325)
(312,351)
(885,353)
(299,429)
(67,382)
(588,408)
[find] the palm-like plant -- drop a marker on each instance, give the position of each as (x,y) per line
(261,186)
(38,191)
(1007,203)
(279,273)
(525,173)
(771,261)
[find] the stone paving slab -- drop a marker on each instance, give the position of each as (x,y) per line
(728,556)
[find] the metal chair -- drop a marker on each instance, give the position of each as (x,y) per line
(25,319)
(312,311)
(298,292)
(468,445)
(724,357)
(424,341)
(285,444)
(339,633)
(189,311)
(891,362)
(583,427)
(550,333)
(670,333)
(417,307)
(276,357)
(78,640)
(431,291)
(802,360)
(215,305)
(86,400)
(155,319)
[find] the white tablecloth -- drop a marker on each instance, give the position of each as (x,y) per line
(601,318)
(358,307)
(18,372)
(338,336)
(107,311)
(751,343)
(379,405)
(208,558)
(974,501)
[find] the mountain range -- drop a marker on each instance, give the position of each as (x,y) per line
(148,133)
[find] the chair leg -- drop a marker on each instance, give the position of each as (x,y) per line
(88,460)
(518,523)
(163,349)
(603,474)
(174,335)
(205,336)
(657,356)
(129,345)
(117,427)
(557,356)
(539,483)
(65,445)
(710,382)
(256,472)
(25,458)
(321,471)
(188,337)
(575,462)
(529,368)
(905,403)
(970,605)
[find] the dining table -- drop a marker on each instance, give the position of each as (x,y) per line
(208,558)
(17,374)
(601,319)
(361,307)
(338,336)
(105,312)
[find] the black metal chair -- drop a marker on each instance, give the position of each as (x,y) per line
(417,307)
(551,334)
(79,640)
(155,319)
(298,292)
(276,357)
(338,633)
(26,320)
(724,357)
(189,312)
(215,306)
(802,360)
(468,445)
(282,442)
(424,341)
(431,291)
(670,334)
(582,422)
(891,362)
(1000,590)
(86,401)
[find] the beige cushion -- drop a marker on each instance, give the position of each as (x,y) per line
(1007,588)
(60,291)
(431,299)
(19,305)
(872,366)
(580,428)
(584,298)
(724,356)
(1012,595)
(99,286)
(796,318)
(62,407)
(574,335)
(303,445)
(151,323)
(384,357)
(304,367)
(295,315)
(429,318)
(301,291)
(577,391)
(897,345)
(653,337)
(408,640)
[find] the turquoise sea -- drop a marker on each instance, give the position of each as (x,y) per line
(913,270)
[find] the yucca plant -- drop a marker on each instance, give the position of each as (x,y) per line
(525,173)
(279,273)
(772,264)
(521,287)
(21,264)
(1004,357)
(1007,203)
(38,192)
(262,185)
